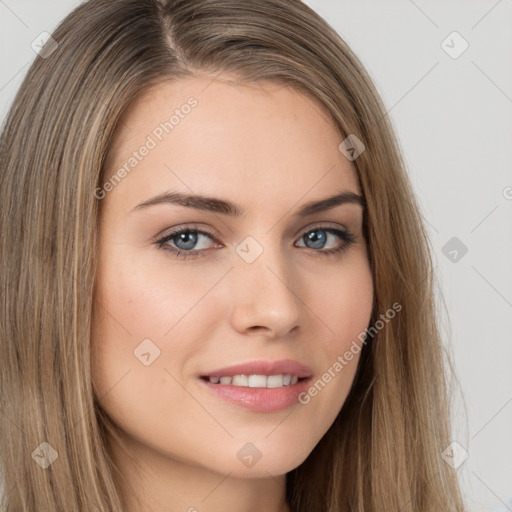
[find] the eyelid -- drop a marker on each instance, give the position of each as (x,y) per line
(186,227)
(321,225)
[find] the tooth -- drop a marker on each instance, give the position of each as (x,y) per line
(240,380)
(257,381)
(274,381)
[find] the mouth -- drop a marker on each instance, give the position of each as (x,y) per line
(261,386)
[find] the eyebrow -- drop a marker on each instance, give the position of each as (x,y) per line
(212,204)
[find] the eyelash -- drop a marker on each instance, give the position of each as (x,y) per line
(347,237)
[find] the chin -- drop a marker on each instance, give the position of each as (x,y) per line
(271,454)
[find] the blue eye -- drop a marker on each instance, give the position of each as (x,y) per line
(184,242)
(319,237)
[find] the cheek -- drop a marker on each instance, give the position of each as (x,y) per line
(151,300)
(146,309)
(138,318)
(344,309)
(345,301)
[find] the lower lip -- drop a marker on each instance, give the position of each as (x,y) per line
(259,399)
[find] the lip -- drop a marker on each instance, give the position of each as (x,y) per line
(260,399)
(283,367)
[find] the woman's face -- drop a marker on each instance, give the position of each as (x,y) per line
(265,287)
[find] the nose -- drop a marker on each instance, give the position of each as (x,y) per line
(264,300)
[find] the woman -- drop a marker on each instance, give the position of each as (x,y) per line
(218,292)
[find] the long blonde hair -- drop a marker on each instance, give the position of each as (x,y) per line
(384,450)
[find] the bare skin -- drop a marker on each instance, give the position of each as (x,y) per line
(271,150)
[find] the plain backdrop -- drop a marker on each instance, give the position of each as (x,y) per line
(444,71)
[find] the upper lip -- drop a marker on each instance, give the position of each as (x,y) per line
(281,367)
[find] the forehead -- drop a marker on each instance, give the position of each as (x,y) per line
(213,135)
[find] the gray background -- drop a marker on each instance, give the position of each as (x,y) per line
(453,117)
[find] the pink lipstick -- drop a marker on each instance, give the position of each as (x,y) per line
(262,386)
